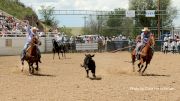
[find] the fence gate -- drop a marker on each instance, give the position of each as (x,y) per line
(48,44)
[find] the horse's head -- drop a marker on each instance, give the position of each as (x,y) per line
(151,40)
(34,40)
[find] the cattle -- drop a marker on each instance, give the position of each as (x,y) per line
(89,64)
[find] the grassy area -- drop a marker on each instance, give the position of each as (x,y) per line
(76,30)
(15,8)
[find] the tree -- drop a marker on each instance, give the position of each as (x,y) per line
(91,26)
(47,14)
(167,13)
(117,23)
(65,30)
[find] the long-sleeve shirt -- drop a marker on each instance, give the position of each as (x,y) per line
(29,34)
(144,37)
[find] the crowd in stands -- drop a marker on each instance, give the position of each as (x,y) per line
(8,25)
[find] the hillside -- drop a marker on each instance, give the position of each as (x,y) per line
(19,11)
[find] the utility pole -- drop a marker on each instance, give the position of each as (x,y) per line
(158,19)
(85,21)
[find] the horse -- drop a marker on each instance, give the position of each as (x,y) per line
(59,48)
(145,55)
(32,56)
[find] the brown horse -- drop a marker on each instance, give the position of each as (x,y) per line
(31,55)
(145,55)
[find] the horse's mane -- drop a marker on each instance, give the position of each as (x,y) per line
(147,50)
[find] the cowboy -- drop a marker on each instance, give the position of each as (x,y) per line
(31,33)
(142,40)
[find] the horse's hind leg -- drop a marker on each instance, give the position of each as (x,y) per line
(133,61)
(22,66)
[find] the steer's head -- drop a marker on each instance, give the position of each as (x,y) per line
(87,58)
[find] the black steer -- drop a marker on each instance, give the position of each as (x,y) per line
(89,64)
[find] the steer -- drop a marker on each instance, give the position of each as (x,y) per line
(89,64)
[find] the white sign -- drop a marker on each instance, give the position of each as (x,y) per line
(150,13)
(130,13)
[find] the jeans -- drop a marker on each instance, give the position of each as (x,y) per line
(139,44)
(24,51)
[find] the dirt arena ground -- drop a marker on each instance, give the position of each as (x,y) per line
(65,80)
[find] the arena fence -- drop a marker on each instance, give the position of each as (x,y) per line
(13,44)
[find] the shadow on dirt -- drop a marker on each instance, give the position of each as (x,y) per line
(156,75)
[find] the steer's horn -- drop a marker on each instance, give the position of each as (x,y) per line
(92,55)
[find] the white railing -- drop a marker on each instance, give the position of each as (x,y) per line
(23,34)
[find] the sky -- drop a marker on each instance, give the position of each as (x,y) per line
(78,21)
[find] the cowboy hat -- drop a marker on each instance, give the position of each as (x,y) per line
(145,29)
(34,28)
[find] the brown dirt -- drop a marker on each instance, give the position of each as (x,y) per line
(65,80)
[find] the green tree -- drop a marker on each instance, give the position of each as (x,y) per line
(117,23)
(47,15)
(91,26)
(167,13)
(65,30)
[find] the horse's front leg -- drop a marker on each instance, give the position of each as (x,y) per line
(53,53)
(140,65)
(58,54)
(29,67)
(37,66)
(144,68)
(64,54)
